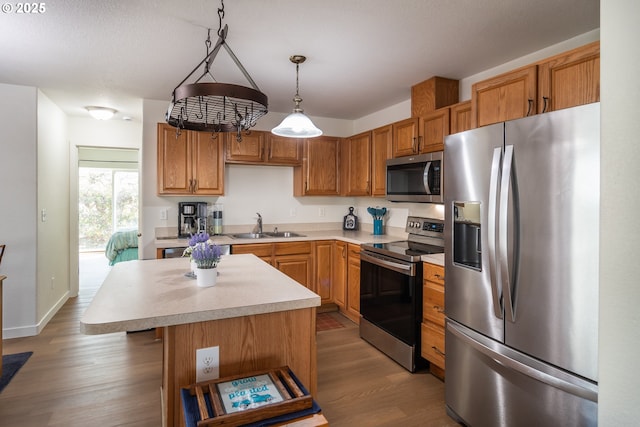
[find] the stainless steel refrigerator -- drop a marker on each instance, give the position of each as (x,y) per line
(521,271)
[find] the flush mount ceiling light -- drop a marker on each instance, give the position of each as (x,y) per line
(296,124)
(213,106)
(101,113)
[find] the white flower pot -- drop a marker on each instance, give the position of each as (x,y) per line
(206,277)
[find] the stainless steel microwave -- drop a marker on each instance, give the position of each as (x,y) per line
(415,178)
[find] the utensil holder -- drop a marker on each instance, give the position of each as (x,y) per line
(377,227)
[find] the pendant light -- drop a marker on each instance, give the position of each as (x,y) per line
(297,124)
(216,107)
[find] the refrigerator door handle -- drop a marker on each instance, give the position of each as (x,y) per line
(590,393)
(425,178)
(508,186)
(492,209)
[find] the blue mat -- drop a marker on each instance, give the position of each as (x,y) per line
(11,364)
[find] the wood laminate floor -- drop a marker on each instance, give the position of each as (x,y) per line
(114,380)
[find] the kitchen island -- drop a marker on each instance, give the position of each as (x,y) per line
(257,316)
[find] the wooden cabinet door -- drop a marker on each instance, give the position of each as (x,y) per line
(435,126)
(284,151)
(353,283)
(249,150)
(505,97)
(208,163)
(298,267)
(569,79)
(460,117)
(323,261)
(356,165)
(174,161)
(320,171)
(295,259)
(339,288)
(405,137)
(381,151)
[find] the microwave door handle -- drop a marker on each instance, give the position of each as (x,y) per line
(425,177)
(492,210)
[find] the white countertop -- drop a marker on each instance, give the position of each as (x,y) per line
(355,237)
(138,295)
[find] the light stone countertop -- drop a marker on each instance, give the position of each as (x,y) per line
(138,295)
(355,237)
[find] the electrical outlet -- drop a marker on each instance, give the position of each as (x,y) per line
(207,363)
(321,212)
(292,212)
(43,215)
(163,214)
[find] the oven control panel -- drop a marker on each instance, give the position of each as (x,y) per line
(425,226)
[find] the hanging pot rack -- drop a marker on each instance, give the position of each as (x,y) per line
(213,106)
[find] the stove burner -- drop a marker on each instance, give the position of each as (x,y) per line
(425,238)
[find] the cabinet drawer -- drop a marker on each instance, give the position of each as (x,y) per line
(433,344)
(433,303)
(258,249)
(433,273)
(291,248)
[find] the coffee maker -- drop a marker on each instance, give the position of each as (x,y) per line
(192,218)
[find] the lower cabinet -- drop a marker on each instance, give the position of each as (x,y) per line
(353,283)
(433,320)
(323,272)
(294,259)
(330,268)
(339,275)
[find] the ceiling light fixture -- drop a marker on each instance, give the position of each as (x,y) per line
(101,113)
(216,107)
(296,124)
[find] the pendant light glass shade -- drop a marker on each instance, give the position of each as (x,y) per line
(296,124)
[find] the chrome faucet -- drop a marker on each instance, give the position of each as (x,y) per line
(258,227)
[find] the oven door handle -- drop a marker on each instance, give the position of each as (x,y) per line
(408,269)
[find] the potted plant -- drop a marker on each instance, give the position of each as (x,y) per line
(193,241)
(206,256)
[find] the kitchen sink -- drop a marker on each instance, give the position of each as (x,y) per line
(249,235)
(284,234)
(274,234)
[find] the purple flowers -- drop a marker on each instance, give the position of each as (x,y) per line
(206,255)
(198,238)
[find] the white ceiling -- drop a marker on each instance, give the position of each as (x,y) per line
(362,55)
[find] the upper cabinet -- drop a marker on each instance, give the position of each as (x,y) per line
(381,151)
(565,80)
(460,117)
(432,94)
(263,148)
(434,127)
(569,79)
(405,137)
(356,165)
(319,174)
(505,97)
(189,162)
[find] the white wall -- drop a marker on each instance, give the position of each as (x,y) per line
(619,400)
(18,226)
(52,272)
